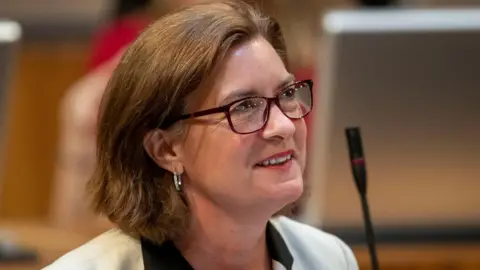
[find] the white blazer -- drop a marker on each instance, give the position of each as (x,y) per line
(292,246)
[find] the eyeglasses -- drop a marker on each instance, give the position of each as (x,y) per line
(251,114)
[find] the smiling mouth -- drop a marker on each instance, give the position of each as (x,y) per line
(278,161)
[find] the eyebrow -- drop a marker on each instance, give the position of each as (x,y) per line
(242,93)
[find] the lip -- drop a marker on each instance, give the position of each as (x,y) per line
(278,155)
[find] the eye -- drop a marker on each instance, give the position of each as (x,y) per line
(247,106)
(290,93)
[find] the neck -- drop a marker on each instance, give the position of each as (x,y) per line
(219,240)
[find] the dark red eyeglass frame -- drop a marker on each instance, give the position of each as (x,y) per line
(226,108)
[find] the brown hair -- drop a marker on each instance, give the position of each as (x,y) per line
(169,61)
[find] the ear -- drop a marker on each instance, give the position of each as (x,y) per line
(161,148)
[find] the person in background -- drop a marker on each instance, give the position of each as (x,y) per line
(201,150)
(76,152)
(78,117)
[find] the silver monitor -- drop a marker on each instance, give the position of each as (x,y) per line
(410,79)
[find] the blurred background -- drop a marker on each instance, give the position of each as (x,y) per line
(68,49)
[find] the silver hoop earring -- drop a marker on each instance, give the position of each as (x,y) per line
(177,181)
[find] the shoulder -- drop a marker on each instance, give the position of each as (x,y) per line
(312,247)
(111,250)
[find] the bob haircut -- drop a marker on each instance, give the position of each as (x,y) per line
(168,62)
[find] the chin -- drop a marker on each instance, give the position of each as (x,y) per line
(287,192)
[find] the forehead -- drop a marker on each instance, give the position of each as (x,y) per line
(251,66)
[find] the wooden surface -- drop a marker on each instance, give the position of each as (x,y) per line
(42,74)
(51,243)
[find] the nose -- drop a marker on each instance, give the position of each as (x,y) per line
(278,125)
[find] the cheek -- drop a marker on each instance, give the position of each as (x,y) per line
(214,153)
(300,138)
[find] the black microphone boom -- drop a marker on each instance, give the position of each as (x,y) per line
(359,171)
(377,3)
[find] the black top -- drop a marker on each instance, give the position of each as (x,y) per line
(168,257)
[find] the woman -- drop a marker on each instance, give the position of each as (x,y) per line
(201,149)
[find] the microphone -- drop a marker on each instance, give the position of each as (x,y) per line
(359,171)
(377,3)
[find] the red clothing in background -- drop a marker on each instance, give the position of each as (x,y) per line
(115,36)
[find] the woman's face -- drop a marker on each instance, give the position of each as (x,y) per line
(221,166)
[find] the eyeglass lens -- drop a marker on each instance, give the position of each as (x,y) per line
(250,115)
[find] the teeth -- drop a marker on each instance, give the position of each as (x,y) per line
(274,161)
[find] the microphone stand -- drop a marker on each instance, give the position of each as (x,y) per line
(359,171)
(369,233)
